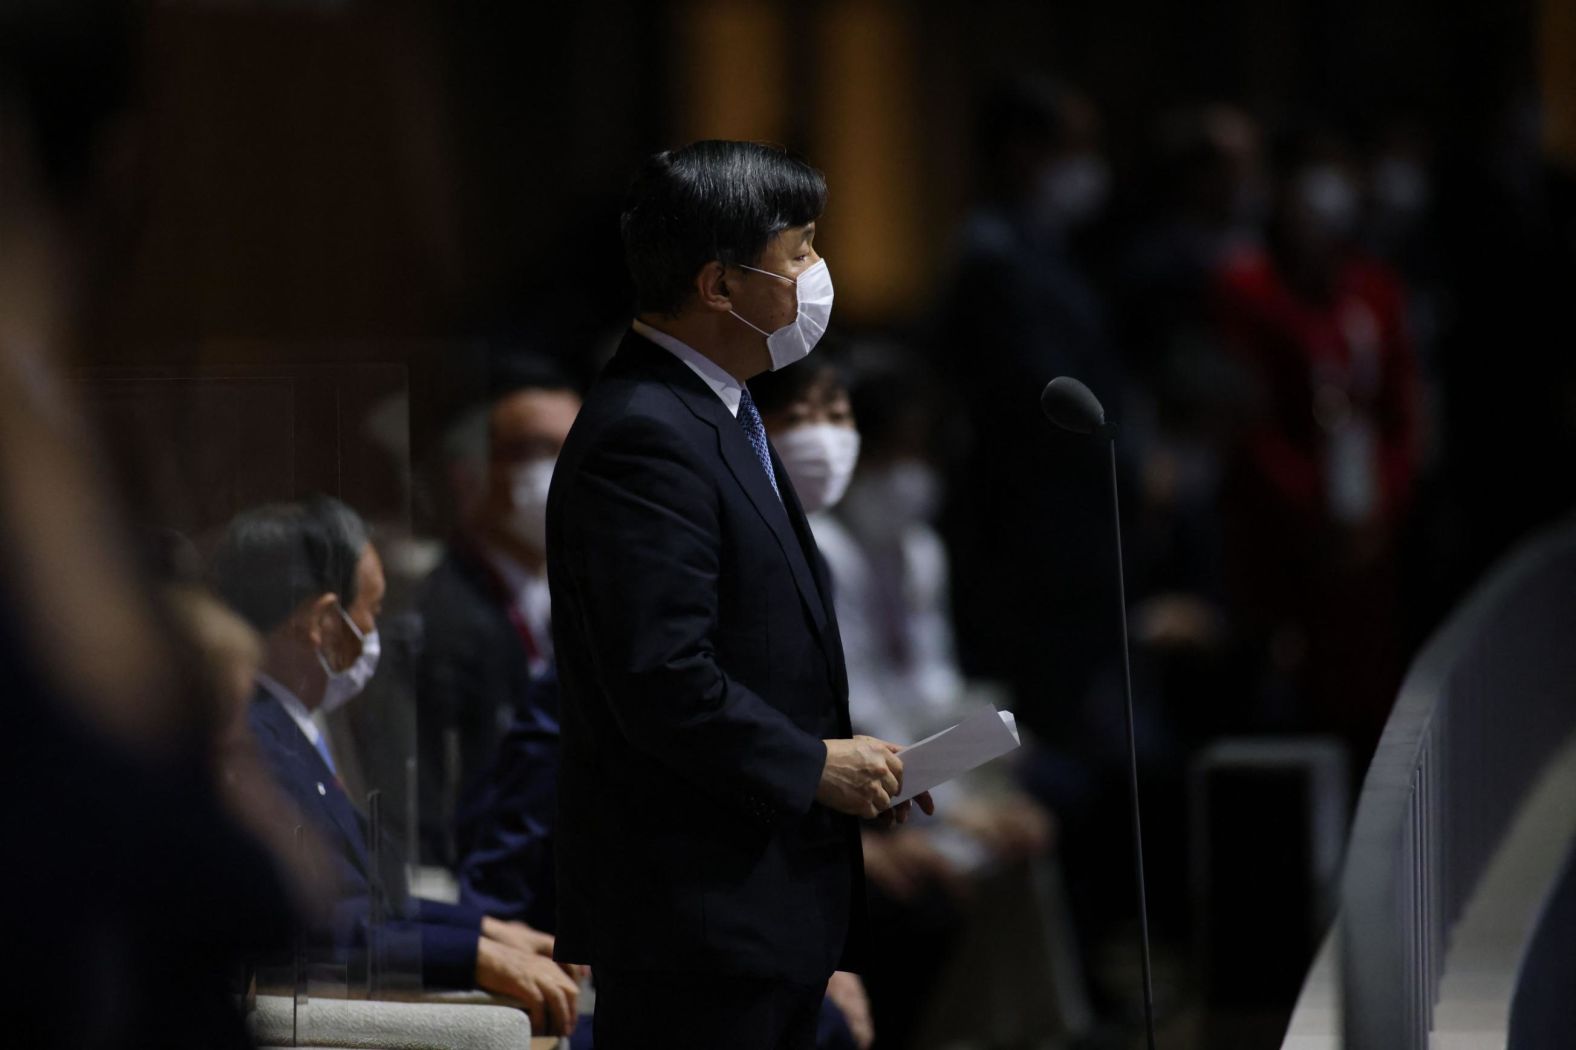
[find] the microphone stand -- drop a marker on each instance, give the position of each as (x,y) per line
(1107,431)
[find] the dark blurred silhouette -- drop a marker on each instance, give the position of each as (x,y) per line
(109,750)
(1022,526)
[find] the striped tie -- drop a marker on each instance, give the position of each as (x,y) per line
(755,430)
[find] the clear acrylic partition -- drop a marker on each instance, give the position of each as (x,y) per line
(253,425)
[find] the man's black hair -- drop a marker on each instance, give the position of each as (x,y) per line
(775,391)
(888,386)
(710,200)
(68,67)
(511,370)
(275,557)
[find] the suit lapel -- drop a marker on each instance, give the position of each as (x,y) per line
(831,638)
(317,778)
(742,464)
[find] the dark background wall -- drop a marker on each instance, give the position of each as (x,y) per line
(388,184)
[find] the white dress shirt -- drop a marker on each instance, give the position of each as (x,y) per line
(300,716)
(714,375)
(531,598)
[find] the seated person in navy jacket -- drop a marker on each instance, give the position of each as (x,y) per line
(308,578)
(486,638)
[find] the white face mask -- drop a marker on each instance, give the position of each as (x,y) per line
(528,487)
(794,341)
(1072,191)
(820,459)
(1329,199)
(343,686)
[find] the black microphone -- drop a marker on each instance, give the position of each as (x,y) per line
(1073,407)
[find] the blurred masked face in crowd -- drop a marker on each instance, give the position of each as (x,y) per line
(1232,192)
(1316,220)
(1074,182)
(815,438)
(1400,194)
(346,636)
(527,430)
(1324,203)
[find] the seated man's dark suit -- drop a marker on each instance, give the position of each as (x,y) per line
(700,668)
(472,677)
(508,820)
(436,939)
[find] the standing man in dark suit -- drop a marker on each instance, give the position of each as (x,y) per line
(710,784)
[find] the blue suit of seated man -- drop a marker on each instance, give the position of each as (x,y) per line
(308,578)
(435,939)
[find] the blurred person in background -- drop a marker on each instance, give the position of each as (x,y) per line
(1026,517)
(132,897)
(1211,193)
(890,583)
(1322,474)
(485,668)
(1023,520)
(308,577)
(913,915)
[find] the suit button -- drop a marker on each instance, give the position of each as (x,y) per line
(321,790)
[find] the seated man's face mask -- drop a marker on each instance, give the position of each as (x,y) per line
(794,341)
(344,685)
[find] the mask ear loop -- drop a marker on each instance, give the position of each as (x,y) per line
(361,636)
(780,277)
(798,302)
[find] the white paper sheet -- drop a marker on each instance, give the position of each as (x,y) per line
(952,752)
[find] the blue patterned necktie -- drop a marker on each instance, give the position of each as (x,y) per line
(321,743)
(755,430)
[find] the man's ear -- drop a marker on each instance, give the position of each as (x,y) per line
(711,287)
(318,618)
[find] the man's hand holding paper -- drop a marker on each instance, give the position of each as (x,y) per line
(861,778)
(952,752)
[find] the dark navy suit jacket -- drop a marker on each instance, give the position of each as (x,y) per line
(507,823)
(700,668)
(437,939)
(473,677)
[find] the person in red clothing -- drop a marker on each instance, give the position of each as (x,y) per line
(1326,453)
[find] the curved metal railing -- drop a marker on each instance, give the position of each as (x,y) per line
(1484,706)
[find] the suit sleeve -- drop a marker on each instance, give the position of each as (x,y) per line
(438,944)
(506,867)
(643,523)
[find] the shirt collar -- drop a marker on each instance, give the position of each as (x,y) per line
(516,577)
(293,707)
(713,374)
